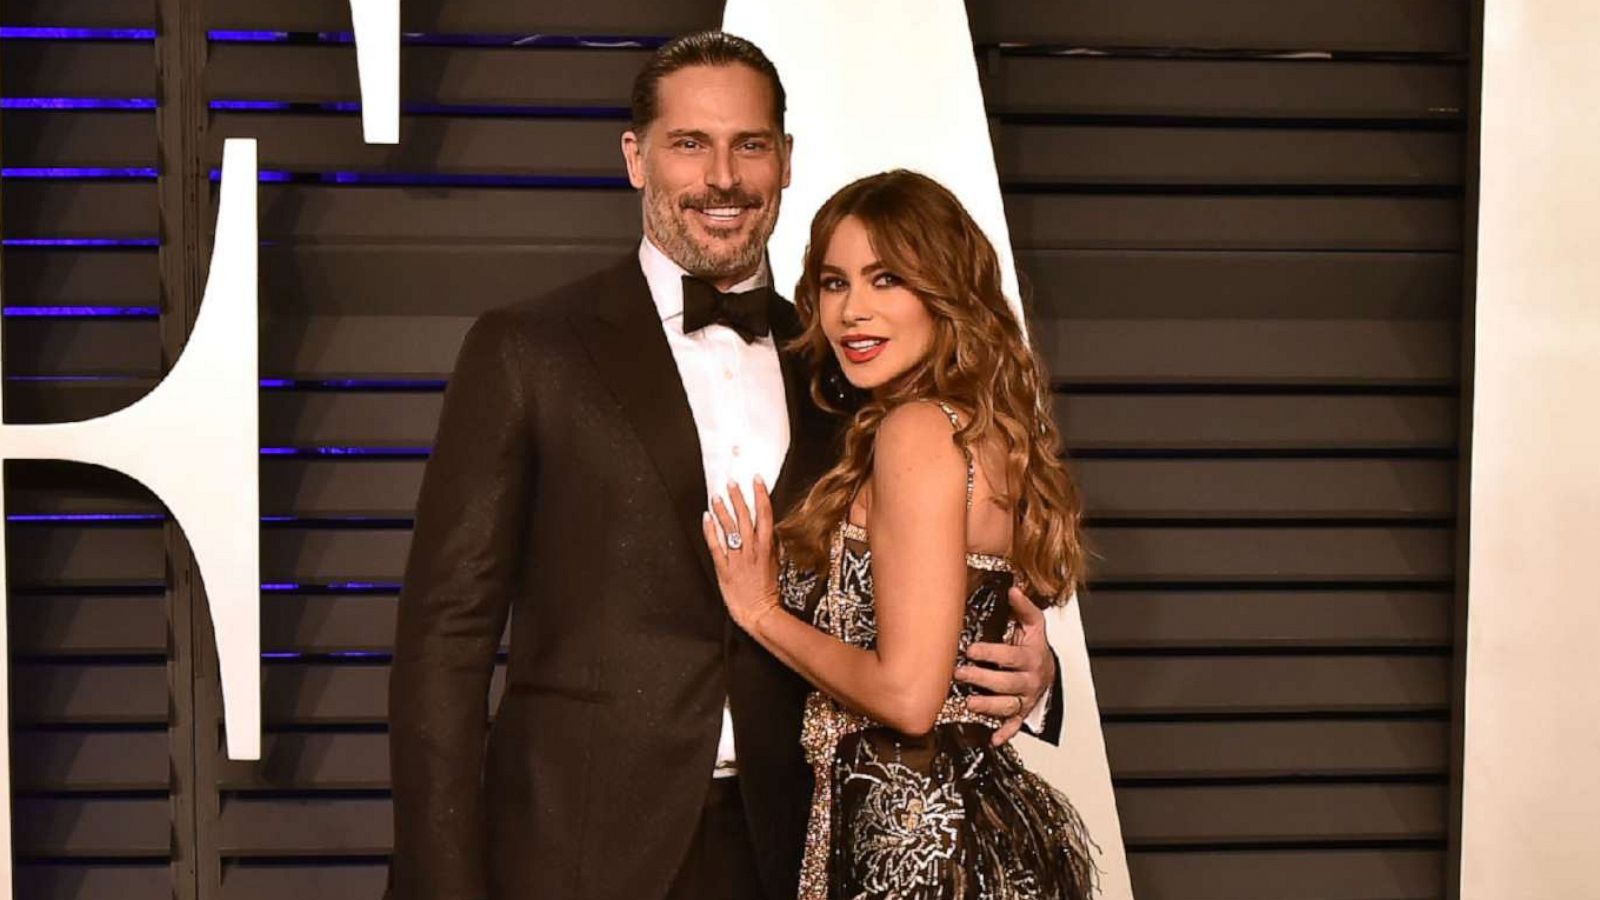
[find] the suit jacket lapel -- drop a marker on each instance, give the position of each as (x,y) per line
(622,333)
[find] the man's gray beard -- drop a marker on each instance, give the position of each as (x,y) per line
(670,233)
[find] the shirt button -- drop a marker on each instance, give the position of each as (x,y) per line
(727,375)
(736,450)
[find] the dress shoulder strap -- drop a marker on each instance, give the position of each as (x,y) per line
(955,422)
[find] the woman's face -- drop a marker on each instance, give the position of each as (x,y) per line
(878,328)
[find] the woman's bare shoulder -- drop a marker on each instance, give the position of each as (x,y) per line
(913,450)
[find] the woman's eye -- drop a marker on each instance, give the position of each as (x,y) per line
(832,285)
(887,280)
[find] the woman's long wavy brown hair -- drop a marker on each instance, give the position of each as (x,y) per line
(979,362)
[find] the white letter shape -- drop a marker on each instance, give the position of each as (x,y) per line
(894,84)
(377,30)
(194,442)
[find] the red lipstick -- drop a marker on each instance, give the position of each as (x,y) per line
(862,348)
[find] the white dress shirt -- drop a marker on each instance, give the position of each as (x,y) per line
(736,395)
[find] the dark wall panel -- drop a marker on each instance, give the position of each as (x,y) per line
(1415,26)
(591,17)
(84,210)
(39,139)
(91,695)
(78,14)
(126,880)
(126,277)
(1242,87)
(465,76)
(69,68)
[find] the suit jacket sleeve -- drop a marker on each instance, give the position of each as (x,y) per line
(459,580)
(1055,709)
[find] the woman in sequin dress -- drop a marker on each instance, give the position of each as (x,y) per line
(950,463)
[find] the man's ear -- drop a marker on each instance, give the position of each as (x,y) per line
(788,154)
(633,156)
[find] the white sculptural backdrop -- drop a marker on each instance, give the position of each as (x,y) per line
(376,24)
(894,84)
(193,441)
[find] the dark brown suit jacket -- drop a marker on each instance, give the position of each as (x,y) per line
(565,490)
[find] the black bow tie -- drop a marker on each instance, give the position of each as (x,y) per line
(744,312)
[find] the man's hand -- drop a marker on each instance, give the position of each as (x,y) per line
(1027,669)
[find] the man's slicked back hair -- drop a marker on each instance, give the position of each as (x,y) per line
(703,48)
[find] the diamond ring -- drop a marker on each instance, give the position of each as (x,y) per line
(735,540)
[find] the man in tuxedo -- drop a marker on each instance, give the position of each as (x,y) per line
(644,747)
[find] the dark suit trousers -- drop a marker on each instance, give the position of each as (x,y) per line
(721,864)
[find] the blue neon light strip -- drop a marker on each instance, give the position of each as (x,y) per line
(264,176)
(434,179)
(429,109)
(77,34)
(248,37)
(77,103)
(468,180)
(315,521)
(342,37)
(313,452)
(86,517)
(337,654)
(354,384)
(81,242)
(600,42)
(287,587)
(77,172)
(271,384)
(83,312)
(311,521)
(250,104)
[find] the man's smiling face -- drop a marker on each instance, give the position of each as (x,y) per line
(712,166)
